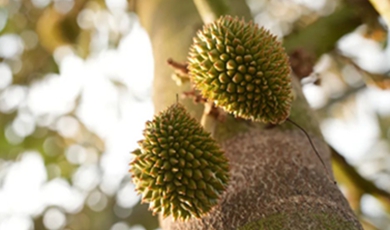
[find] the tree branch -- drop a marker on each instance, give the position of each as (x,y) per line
(361,183)
(321,36)
(210,10)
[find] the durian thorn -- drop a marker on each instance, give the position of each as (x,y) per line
(181,68)
(312,145)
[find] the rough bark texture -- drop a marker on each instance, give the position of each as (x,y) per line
(277,180)
(277,183)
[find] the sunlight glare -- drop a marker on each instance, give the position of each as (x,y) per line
(355,136)
(58,192)
(23,124)
(16,222)
(40,3)
(12,97)
(6,76)
(127,196)
(116,4)
(14,197)
(76,154)
(67,126)
(54,219)
(11,45)
(86,178)
(97,201)
(120,226)
(63,6)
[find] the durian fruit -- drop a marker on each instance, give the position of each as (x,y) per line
(243,69)
(179,168)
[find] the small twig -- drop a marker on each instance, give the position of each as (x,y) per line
(180,74)
(181,68)
(195,96)
(312,145)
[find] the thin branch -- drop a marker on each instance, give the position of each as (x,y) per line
(180,67)
(210,10)
(352,91)
(360,182)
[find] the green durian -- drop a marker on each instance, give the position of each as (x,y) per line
(179,168)
(243,69)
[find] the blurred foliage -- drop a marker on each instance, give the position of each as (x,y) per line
(43,29)
(46,26)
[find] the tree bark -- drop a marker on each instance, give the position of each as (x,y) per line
(277,181)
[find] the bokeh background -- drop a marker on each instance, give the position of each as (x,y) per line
(75,92)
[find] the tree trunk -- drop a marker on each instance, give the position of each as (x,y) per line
(277,181)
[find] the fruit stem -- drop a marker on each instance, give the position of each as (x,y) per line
(312,145)
(208,121)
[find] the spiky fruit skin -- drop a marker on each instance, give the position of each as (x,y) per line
(243,69)
(179,169)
